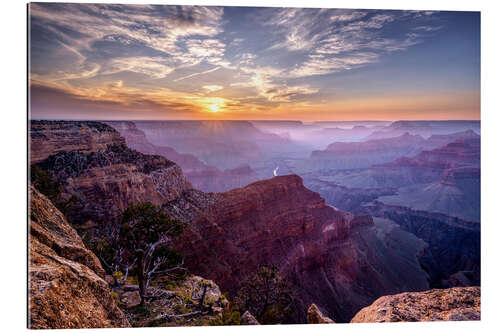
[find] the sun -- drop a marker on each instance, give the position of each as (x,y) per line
(214,107)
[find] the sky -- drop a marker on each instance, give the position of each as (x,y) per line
(107,61)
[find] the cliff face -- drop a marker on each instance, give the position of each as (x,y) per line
(51,137)
(107,177)
(454,304)
(454,244)
(66,286)
(203,177)
(347,155)
(332,258)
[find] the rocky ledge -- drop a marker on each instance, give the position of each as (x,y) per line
(454,304)
(94,166)
(66,285)
(48,137)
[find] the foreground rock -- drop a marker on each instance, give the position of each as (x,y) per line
(248,319)
(66,285)
(314,316)
(454,304)
(175,303)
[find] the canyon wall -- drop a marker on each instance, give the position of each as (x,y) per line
(66,281)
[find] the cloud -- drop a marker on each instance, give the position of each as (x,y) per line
(337,39)
(196,74)
(321,65)
(264,80)
(208,48)
(212,88)
(427,28)
(346,17)
(246,59)
(295,26)
(158,27)
(154,67)
(167,31)
(375,22)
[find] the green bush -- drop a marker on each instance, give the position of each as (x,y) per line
(44,183)
(267,295)
(228,317)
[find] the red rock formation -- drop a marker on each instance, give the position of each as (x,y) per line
(454,304)
(104,178)
(51,137)
(324,252)
(314,316)
(332,258)
(66,285)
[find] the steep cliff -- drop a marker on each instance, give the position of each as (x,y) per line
(51,137)
(104,178)
(332,258)
(66,285)
(454,304)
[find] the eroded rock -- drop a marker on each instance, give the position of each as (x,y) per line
(66,285)
(314,316)
(248,319)
(454,304)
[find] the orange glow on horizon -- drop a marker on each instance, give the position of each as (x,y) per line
(115,102)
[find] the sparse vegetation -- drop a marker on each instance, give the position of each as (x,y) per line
(267,296)
(43,182)
(228,317)
(146,233)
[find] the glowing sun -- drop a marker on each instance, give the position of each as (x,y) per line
(214,107)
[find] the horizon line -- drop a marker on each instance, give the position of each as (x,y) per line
(263,120)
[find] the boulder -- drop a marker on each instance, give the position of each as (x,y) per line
(129,295)
(196,284)
(248,319)
(314,316)
(454,304)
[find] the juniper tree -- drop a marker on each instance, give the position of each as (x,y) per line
(147,233)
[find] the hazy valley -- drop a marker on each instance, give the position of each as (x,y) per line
(261,193)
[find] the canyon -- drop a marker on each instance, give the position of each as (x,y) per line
(340,249)
(200,175)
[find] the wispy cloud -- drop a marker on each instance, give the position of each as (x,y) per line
(155,67)
(196,74)
(212,88)
(428,28)
(269,84)
(165,29)
(321,65)
(338,39)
